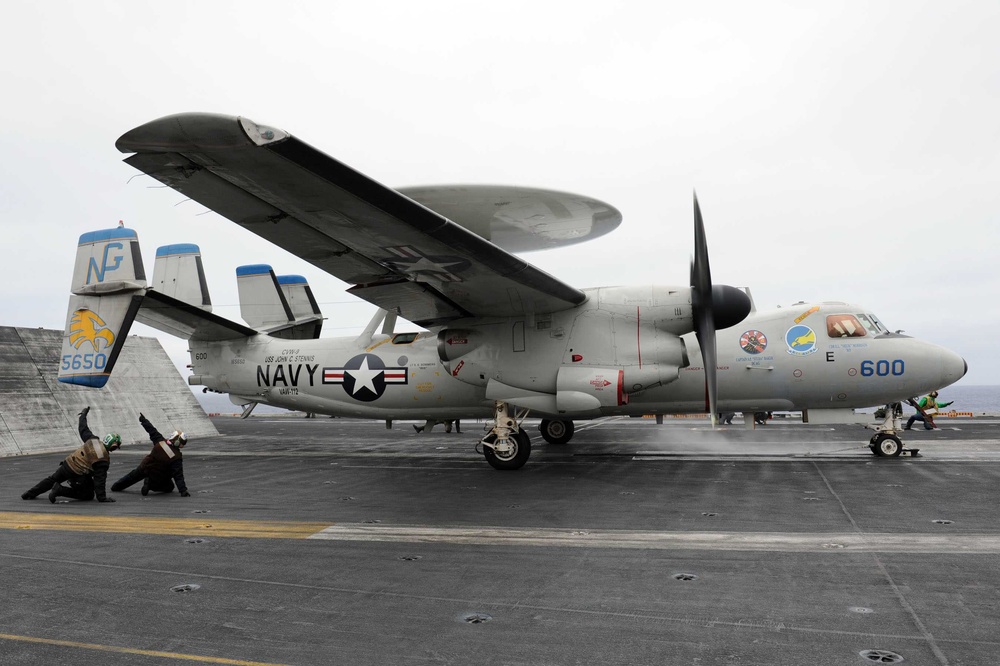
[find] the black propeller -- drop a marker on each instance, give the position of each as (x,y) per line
(715,307)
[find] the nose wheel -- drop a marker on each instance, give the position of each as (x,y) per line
(886,445)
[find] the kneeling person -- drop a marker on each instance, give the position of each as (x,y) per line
(162,467)
(86,469)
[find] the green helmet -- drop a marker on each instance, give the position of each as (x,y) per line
(112,441)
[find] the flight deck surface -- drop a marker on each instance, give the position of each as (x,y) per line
(337,541)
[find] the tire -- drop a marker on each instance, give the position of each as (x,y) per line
(515,460)
(887,446)
(556,431)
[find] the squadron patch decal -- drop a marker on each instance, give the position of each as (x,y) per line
(753,342)
(801,340)
(365,377)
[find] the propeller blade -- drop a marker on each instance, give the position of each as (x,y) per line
(714,307)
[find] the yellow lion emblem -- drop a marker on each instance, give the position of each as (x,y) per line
(86,326)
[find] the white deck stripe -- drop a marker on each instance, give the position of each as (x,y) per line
(731,541)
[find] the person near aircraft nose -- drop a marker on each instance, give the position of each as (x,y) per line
(86,469)
(162,467)
(927,402)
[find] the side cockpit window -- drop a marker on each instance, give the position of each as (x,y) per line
(404,338)
(872,323)
(845,326)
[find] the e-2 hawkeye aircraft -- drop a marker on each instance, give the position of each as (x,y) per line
(502,337)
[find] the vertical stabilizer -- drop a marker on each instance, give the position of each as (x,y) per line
(262,301)
(178,272)
(305,309)
(108,287)
(283,307)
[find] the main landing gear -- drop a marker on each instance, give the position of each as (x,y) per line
(507,445)
(885,443)
(556,431)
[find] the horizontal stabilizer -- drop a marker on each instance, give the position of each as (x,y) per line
(187,321)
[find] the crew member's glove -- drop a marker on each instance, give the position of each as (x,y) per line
(185,494)
(141,417)
(86,410)
(106,499)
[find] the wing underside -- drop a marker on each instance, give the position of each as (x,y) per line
(398,254)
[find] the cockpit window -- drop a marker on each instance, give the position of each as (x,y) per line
(404,338)
(872,323)
(845,326)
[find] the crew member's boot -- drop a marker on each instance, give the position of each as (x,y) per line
(27,496)
(145,487)
(56,491)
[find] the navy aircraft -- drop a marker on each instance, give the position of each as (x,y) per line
(499,337)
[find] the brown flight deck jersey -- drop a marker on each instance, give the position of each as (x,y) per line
(82,460)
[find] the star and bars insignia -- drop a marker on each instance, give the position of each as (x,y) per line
(409,260)
(365,377)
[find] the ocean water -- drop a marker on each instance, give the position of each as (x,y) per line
(976,399)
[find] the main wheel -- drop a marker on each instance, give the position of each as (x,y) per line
(886,445)
(515,459)
(556,431)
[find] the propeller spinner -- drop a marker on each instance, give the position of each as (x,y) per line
(715,307)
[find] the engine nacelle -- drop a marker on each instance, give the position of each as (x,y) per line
(659,362)
(467,355)
(582,388)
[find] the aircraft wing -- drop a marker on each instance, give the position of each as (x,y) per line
(398,254)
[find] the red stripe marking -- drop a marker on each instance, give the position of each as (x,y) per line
(638,348)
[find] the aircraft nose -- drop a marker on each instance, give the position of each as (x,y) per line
(953,366)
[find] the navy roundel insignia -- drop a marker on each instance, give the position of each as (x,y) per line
(753,342)
(365,377)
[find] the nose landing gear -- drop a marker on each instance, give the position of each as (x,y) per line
(885,443)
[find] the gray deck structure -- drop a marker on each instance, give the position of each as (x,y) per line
(38,413)
(334,541)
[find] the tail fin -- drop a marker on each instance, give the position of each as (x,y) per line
(108,287)
(283,307)
(178,272)
(178,302)
(305,310)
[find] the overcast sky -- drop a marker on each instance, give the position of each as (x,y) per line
(841,151)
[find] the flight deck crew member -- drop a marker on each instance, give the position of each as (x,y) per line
(86,469)
(427,427)
(927,402)
(161,467)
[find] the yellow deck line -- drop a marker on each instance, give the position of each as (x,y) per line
(124,650)
(179,526)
